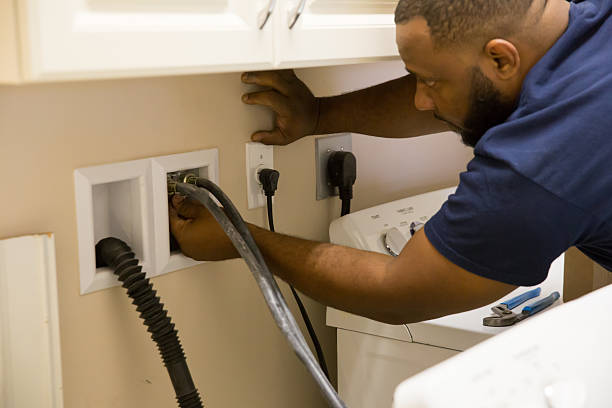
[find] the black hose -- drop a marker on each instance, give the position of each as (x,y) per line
(118,255)
(231,212)
(236,229)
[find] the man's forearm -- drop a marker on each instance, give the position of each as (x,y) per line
(385,110)
(344,278)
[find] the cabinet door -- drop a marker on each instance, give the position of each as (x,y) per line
(70,39)
(335,31)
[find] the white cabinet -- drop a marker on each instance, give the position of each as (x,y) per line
(335,31)
(100,38)
(43,40)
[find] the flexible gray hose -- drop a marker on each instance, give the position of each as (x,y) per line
(242,239)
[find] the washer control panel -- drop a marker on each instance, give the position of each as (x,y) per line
(388,227)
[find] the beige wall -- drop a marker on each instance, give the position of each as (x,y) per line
(582,275)
(236,354)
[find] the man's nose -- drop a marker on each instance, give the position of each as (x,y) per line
(422,100)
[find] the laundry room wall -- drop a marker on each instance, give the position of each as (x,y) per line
(582,275)
(236,354)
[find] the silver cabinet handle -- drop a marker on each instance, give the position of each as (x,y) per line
(297,14)
(265,14)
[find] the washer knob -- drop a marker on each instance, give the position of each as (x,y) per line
(570,393)
(394,241)
(415,226)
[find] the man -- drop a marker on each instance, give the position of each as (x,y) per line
(527,83)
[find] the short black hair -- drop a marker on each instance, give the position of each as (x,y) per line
(452,22)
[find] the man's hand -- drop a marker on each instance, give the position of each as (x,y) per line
(197,232)
(296,108)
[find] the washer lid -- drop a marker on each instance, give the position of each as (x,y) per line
(463,330)
(457,332)
(347,321)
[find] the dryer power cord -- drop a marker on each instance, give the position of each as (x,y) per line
(342,173)
(269,182)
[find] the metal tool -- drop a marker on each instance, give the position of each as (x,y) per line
(503,316)
(507,305)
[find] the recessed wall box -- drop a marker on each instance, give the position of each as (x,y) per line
(113,200)
(129,201)
(206,165)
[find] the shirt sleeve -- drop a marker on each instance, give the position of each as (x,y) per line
(503,226)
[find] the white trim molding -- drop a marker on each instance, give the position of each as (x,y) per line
(30,359)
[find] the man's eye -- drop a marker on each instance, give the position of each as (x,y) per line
(430,83)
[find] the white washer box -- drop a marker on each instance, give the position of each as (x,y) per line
(129,201)
(373,357)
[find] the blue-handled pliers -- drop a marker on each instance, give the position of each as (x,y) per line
(503,316)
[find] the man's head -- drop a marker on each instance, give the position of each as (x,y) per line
(470,57)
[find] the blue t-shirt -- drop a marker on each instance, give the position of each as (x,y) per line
(542,181)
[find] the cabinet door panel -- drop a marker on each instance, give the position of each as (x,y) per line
(110,38)
(336,31)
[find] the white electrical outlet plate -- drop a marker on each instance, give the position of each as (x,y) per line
(324,146)
(129,201)
(206,162)
(258,156)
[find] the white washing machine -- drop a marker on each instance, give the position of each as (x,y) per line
(373,357)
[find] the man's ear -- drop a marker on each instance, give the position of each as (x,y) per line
(502,58)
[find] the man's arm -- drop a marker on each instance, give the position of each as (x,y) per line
(385,110)
(418,285)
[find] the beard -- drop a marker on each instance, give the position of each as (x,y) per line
(487,108)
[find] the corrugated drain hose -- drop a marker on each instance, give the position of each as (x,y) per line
(118,255)
(236,229)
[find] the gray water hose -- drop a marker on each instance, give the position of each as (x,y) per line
(236,229)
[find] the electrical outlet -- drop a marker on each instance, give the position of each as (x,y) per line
(324,147)
(258,157)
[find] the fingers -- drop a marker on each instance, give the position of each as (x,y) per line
(272,99)
(186,208)
(274,137)
(279,80)
(177,224)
